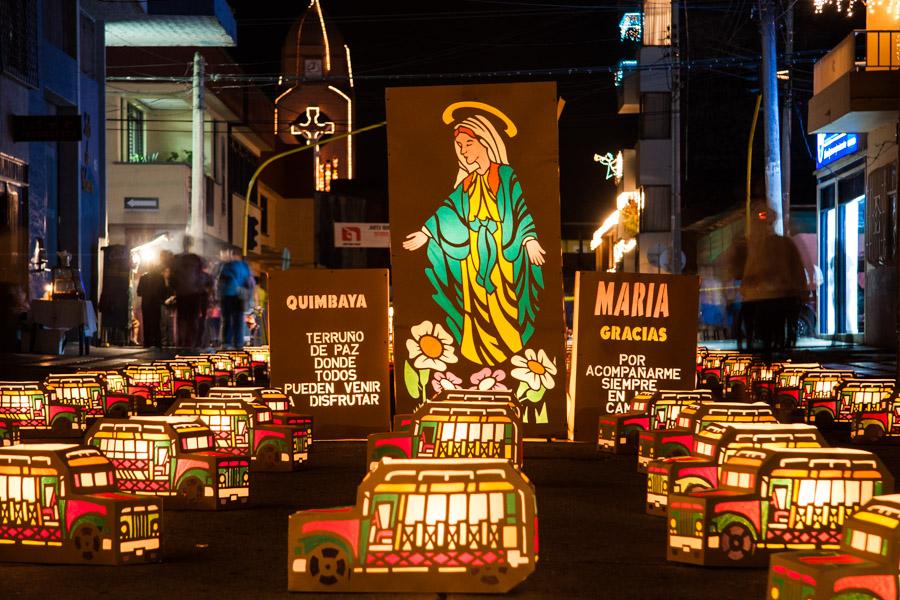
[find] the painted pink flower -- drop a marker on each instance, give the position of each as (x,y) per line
(487,380)
(445,381)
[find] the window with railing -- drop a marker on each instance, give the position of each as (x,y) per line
(134,133)
(18,40)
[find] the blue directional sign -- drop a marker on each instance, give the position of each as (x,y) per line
(832,146)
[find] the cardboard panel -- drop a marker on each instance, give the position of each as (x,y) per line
(59,504)
(329,347)
(633,332)
(421,525)
(475,245)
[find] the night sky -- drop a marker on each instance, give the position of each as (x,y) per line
(392,41)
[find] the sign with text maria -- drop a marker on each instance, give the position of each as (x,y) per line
(328,333)
(475,246)
(633,332)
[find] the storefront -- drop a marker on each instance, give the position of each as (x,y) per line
(841,209)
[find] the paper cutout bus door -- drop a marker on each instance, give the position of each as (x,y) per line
(241,428)
(382,534)
(161,466)
(427,439)
(49,503)
(779,517)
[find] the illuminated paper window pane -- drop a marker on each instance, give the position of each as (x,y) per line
(101,478)
(837,491)
(29,489)
(858,540)
(867,491)
(823,491)
(873,544)
(487,432)
(384,515)
(807,494)
(496,506)
(4,491)
(851,492)
(478,508)
(462,429)
(415,508)
(437,509)
(447,431)
(457,509)
(498,433)
(474,431)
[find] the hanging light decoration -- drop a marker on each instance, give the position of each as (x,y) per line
(890,7)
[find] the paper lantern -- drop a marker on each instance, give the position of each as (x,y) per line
(283,413)
(240,366)
(618,433)
(849,398)
(711,370)
(736,374)
(762,378)
(421,525)
(773,500)
(243,427)
(786,397)
(152,386)
(821,386)
(28,406)
(702,351)
(58,504)
(174,458)
(879,422)
(450,430)
(88,393)
(863,567)
(184,379)
(204,373)
(679,440)
(712,447)
(259,361)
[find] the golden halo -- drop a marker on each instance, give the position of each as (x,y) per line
(447,117)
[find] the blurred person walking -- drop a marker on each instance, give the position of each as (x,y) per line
(235,283)
(188,281)
(153,291)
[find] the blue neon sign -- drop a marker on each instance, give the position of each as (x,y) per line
(832,146)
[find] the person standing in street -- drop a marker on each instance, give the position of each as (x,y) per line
(188,281)
(235,282)
(153,292)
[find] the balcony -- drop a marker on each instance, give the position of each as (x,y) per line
(855,85)
(628,91)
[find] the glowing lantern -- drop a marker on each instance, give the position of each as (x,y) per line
(204,373)
(421,525)
(152,386)
(773,499)
(850,397)
(712,447)
(57,505)
(881,420)
(618,433)
(450,430)
(28,405)
(89,394)
(172,457)
(864,566)
(678,440)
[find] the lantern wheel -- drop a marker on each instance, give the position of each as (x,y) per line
(872,433)
(736,542)
(87,542)
(328,566)
(191,491)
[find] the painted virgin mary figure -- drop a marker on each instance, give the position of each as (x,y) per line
(485,258)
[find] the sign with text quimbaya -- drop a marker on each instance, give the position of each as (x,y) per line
(328,339)
(475,246)
(633,332)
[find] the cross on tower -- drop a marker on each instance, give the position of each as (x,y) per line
(312,128)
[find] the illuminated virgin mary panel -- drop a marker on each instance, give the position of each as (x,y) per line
(475,249)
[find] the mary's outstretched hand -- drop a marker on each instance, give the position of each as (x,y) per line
(535,252)
(415,240)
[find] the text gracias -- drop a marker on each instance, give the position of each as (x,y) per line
(634,299)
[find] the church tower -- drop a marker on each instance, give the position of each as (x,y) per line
(316,97)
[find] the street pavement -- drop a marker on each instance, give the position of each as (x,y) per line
(595,539)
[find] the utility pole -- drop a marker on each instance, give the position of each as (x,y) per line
(769,77)
(198,184)
(787,105)
(675,58)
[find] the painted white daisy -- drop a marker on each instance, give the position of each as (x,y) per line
(431,347)
(535,369)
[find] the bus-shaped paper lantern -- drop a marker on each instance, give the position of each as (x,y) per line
(174,458)
(679,439)
(880,422)
(260,358)
(88,393)
(772,500)
(152,386)
(460,526)
(852,397)
(59,504)
(712,447)
(763,378)
(788,385)
(28,406)
(863,568)
(450,430)
(736,375)
(618,433)
(184,379)
(282,414)
(711,370)
(242,428)
(240,366)
(9,433)
(821,387)
(702,351)
(204,373)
